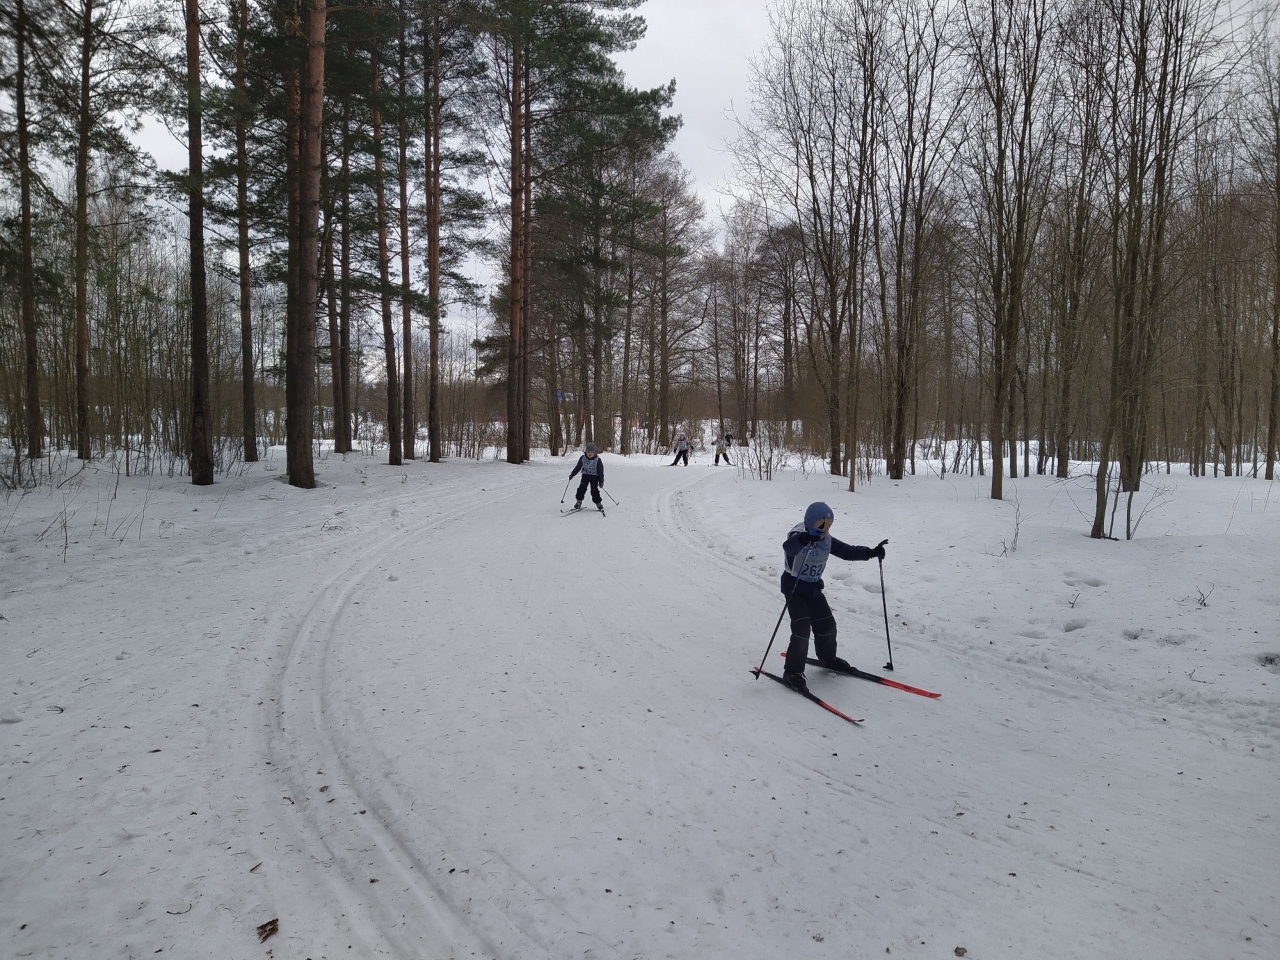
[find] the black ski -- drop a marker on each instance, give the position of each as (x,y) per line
(565,513)
(808,696)
(874,678)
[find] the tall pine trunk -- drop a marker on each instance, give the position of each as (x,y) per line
(395,450)
(248,404)
(342,437)
(515,327)
(201,415)
(526,272)
(83,122)
(302,361)
(292,94)
(432,140)
(26,261)
(410,428)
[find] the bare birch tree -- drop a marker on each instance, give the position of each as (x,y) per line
(1009,138)
(919,110)
(1262,112)
(1160,70)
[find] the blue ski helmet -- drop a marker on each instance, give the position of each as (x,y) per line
(816,513)
(591,448)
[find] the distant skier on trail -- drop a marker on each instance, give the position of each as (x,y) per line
(592,469)
(807,548)
(722,450)
(681,447)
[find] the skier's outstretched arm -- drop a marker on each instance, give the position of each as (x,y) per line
(846,551)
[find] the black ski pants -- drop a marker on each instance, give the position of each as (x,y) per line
(595,489)
(726,458)
(679,455)
(810,613)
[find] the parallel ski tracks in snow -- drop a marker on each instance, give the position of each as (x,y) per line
(407,914)
(351,839)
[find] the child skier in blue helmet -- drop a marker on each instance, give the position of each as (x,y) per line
(808,547)
(592,468)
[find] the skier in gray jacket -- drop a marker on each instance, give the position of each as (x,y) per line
(592,469)
(681,447)
(808,546)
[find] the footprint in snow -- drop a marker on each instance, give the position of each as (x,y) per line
(1074,581)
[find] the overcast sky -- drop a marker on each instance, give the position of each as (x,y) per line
(704,45)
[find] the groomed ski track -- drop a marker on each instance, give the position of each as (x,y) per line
(414,716)
(550,732)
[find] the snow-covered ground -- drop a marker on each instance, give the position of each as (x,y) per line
(416,713)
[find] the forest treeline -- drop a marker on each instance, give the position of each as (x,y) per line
(995,236)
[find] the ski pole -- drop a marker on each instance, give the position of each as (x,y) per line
(610,496)
(884,603)
(566,489)
(774,636)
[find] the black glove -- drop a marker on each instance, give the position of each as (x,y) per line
(814,537)
(878,552)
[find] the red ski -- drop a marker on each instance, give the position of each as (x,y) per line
(808,696)
(874,678)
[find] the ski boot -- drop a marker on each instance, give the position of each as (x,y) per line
(838,664)
(577,504)
(795,680)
